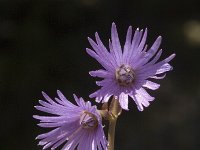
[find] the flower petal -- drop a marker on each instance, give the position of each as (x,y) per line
(127,45)
(123,100)
(100,74)
(151,85)
(104,63)
(116,44)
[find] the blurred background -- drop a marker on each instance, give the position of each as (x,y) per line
(42,48)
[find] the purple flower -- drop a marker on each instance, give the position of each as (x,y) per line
(76,126)
(128,72)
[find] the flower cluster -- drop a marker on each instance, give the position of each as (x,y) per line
(127,72)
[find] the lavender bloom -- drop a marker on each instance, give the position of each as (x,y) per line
(77,126)
(128,72)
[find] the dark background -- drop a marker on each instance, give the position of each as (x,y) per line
(42,48)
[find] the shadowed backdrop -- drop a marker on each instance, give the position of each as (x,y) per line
(42,48)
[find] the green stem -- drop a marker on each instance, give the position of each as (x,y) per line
(111,133)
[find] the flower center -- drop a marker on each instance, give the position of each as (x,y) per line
(88,120)
(125,75)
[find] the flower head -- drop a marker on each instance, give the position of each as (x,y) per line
(127,71)
(76,126)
